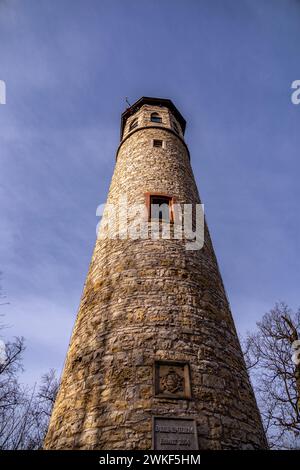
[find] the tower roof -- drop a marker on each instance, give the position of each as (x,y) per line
(155,102)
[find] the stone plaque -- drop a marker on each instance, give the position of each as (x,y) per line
(174,434)
(172,380)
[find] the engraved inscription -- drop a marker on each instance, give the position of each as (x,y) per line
(175,434)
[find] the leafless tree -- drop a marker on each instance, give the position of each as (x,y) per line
(24,412)
(275,374)
(43,404)
(11,395)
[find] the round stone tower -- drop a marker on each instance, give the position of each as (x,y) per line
(154,360)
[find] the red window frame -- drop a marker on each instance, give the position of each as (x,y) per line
(170,199)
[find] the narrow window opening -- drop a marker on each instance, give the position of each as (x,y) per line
(133,124)
(160,208)
(175,127)
(155,117)
(157,143)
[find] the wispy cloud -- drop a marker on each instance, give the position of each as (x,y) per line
(68,66)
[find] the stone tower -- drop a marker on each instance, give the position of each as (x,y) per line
(154,360)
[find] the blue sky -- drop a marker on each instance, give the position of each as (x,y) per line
(68,65)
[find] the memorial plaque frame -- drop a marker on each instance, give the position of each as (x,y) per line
(187,390)
(173,419)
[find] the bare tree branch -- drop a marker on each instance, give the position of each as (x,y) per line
(268,356)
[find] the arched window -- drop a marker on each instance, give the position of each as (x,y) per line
(133,124)
(155,117)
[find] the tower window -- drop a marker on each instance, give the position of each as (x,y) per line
(133,124)
(160,207)
(175,127)
(157,143)
(155,117)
